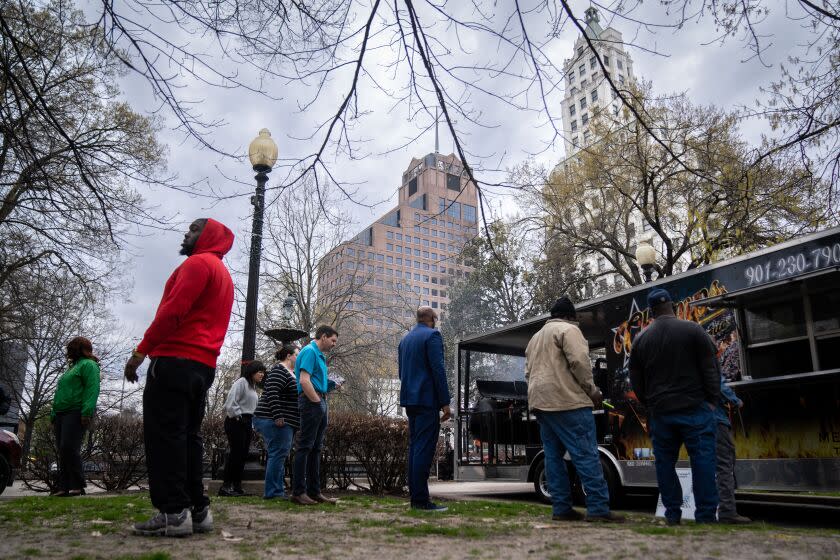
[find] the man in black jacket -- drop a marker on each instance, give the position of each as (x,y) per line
(674,372)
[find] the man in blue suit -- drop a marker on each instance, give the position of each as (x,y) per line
(423,392)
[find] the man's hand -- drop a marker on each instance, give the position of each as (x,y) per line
(86,422)
(279,422)
(447,413)
(597,398)
(131,366)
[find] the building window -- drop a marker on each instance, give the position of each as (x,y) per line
(453,182)
(584,118)
(434,305)
(454,210)
(593,62)
(399,249)
(399,237)
(574,140)
(606,60)
(425,254)
(351,252)
(389,234)
(583,103)
(594,95)
(586,136)
(574,125)
(582,69)
(574,91)
(416,252)
(425,242)
(412,187)
(469,213)
(389,259)
(615,110)
(619,64)
(621,79)
(572,77)
(399,261)
(389,246)
(572,109)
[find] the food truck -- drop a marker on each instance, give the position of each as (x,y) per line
(774,316)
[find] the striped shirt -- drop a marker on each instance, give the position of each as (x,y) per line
(279,398)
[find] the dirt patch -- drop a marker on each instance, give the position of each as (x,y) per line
(364,527)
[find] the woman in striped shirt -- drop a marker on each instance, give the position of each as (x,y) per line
(276,418)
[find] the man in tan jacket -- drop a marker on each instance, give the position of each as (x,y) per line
(562,394)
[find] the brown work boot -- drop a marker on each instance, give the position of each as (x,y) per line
(303,500)
(608,517)
(320,498)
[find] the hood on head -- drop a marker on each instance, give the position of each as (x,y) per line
(215,238)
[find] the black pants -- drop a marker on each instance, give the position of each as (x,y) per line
(173,407)
(69,434)
(239,432)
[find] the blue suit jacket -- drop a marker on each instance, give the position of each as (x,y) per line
(422,375)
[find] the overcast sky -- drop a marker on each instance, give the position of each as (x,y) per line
(710,73)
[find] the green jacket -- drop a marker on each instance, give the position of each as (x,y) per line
(78,389)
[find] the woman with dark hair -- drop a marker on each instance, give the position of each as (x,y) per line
(277,418)
(239,408)
(73,407)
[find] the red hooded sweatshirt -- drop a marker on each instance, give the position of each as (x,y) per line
(194,312)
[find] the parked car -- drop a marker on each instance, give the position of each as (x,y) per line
(10,452)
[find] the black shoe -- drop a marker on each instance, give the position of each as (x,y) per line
(229,491)
(238,491)
(571,515)
(608,517)
(166,525)
(735,520)
(672,522)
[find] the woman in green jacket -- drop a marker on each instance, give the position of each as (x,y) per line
(73,407)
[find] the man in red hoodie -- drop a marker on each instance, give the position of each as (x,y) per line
(183,343)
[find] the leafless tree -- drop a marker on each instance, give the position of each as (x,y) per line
(69,149)
(52,311)
(423,54)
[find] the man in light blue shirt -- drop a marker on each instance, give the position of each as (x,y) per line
(311,374)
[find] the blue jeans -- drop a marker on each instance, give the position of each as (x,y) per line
(306,468)
(278,443)
(423,433)
(573,431)
(696,428)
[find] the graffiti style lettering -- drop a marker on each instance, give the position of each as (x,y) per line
(833,437)
(624,333)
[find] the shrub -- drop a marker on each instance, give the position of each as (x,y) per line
(376,445)
(119,453)
(381,446)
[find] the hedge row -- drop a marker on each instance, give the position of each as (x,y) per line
(367,452)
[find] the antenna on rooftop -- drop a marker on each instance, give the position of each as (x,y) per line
(437,137)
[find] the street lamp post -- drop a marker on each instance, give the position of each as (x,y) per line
(263,155)
(646,257)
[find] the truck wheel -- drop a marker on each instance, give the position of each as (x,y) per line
(610,476)
(5,473)
(540,483)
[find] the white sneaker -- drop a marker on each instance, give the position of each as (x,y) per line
(166,525)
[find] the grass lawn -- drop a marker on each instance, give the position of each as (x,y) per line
(361,526)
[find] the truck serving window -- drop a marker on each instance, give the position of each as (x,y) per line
(777,336)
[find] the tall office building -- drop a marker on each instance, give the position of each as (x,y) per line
(408,257)
(587,90)
(587,93)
